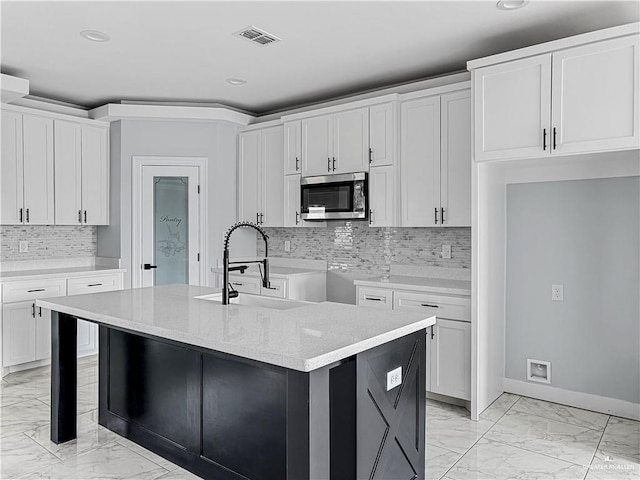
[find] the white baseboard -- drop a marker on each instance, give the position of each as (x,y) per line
(610,406)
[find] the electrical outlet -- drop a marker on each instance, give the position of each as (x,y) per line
(23,246)
(446,251)
(287,245)
(557,293)
(394,378)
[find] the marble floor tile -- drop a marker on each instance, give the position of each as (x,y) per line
(20,455)
(449,431)
(562,413)
(609,467)
(621,439)
(30,375)
(179,474)
(149,455)
(11,393)
(87,398)
(111,461)
(448,409)
(489,460)
(499,407)
(545,436)
(24,416)
(90,436)
(439,461)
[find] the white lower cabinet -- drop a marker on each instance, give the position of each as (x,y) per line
(448,341)
(26,328)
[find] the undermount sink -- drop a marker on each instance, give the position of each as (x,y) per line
(256,301)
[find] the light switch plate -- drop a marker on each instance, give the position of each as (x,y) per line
(394,378)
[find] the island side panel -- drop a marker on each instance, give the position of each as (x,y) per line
(63,377)
(391,423)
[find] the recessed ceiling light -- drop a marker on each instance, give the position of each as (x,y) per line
(95,36)
(235,81)
(511,4)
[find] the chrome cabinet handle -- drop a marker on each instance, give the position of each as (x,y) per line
(374,299)
(435,210)
(20,214)
(79,216)
(430,305)
(371,155)
(297,164)
(328,164)
(442,215)
(40,311)
(36,290)
(297,217)
(554,139)
(27,215)
(33,310)
(94,285)
(85,216)
(370,216)
(544,139)
(237,283)
(334,164)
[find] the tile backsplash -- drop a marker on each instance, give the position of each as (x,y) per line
(47,241)
(355,247)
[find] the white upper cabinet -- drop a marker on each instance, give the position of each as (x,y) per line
(351,141)
(512,109)
(272,181)
(292,201)
(317,145)
(68,173)
(11,169)
(455,159)
(583,99)
(382,126)
(595,96)
(95,175)
(37,142)
(248,176)
(420,162)
(81,174)
(381,198)
(337,143)
(261,177)
(292,147)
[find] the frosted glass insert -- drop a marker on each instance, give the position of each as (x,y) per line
(171,230)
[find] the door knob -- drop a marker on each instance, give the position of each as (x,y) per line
(148,266)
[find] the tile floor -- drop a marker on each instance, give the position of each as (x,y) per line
(516,438)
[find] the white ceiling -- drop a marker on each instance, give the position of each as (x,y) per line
(183,51)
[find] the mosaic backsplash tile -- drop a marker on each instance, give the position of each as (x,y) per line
(48,241)
(356,247)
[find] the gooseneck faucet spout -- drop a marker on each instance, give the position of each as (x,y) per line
(228,292)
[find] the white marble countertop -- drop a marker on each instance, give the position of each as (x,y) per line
(45,273)
(419,284)
(275,271)
(305,338)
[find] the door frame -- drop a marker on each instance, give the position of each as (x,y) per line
(139,161)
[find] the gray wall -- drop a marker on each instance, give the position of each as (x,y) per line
(584,235)
(214,140)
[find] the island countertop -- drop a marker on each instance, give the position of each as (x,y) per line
(304,338)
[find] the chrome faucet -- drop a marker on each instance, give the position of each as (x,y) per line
(228,291)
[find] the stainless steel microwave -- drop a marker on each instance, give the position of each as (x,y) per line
(334,197)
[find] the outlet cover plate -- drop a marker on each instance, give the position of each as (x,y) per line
(446,251)
(287,245)
(394,378)
(23,246)
(557,293)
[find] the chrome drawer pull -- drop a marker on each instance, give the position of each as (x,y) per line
(430,305)
(375,299)
(36,290)
(94,285)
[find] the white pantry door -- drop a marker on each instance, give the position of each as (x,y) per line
(170,233)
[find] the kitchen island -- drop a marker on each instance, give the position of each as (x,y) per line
(288,390)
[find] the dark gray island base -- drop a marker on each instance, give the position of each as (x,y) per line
(223,417)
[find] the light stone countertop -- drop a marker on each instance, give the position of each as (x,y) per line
(46,273)
(305,338)
(274,271)
(419,284)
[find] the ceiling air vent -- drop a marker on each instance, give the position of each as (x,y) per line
(257,36)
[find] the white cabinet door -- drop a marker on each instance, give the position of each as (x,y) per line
(382,134)
(450,360)
(248,176)
(43,333)
(317,145)
(292,147)
(11,170)
(455,159)
(381,195)
(37,134)
(86,338)
(68,172)
(292,201)
(272,178)
(351,141)
(595,97)
(18,333)
(512,109)
(95,175)
(420,162)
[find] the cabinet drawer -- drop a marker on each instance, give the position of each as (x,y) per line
(375,297)
(33,289)
(278,288)
(94,284)
(443,306)
(245,284)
